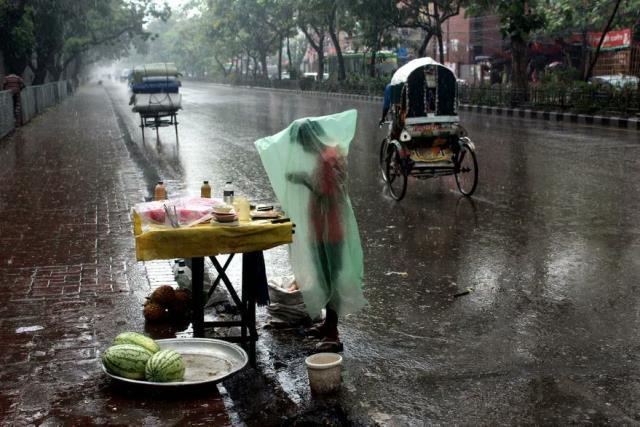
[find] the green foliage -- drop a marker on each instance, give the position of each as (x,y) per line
(376,21)
(518,18)
(17,39)
(61,31)
(565,17)
(356,84)
(560,76)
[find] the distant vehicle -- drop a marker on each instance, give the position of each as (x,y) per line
(124,75)
(617,80)
(315,76)
(283,76)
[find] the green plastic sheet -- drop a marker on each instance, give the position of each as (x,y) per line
(307,166)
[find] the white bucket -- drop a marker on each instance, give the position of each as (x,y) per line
(324,372)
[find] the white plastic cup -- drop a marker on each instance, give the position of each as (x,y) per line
(324,371)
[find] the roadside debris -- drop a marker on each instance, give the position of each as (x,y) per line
(463,293)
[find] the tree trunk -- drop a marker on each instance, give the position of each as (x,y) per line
(280,59)
(55,72)
(40,74)
(438,31)
(425,43)
(44,61)
(372,63)
(292,74)
(585,54)
(604,33)
(519,69)
(263,60)
(318,47)
(320,64)
(440,48)
(221,65)
(376,48)
(336,43)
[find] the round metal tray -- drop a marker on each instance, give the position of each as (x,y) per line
(206,360)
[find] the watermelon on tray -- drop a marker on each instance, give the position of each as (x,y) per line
(126,360)
(165,366)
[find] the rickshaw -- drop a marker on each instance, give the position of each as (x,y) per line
(156,96)
(425,138)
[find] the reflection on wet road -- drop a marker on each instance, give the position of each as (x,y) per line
(549,245)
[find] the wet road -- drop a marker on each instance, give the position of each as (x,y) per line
(549,244)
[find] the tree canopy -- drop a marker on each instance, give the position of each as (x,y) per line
(251,36)
(49,35)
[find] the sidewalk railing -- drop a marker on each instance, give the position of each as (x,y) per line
(7,118)
(36,99)
(28,103)
(588,100)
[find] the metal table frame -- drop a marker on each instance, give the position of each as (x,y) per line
(246,304)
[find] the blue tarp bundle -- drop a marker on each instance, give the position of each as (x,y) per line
(160,79)
(167,86)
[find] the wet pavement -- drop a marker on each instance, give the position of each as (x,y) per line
(549,245)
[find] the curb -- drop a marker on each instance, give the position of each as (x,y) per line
(556,116)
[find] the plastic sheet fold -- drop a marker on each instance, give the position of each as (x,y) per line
(307,167)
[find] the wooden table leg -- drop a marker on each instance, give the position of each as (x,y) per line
(250,263)
(197,279)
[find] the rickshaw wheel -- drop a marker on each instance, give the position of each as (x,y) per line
(382,159)
(396,175)
(466,170)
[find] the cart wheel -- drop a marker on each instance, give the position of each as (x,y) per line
(396,175)
(382,159)
(466,170)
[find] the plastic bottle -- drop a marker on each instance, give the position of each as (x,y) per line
(183,278)
(227,194)
(205,190)
(174,267)
(160,192)
(182,266)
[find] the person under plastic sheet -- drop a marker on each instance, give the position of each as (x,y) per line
(326,254)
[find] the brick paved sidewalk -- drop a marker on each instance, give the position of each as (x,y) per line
(68,276)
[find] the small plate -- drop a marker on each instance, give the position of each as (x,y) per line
(272,214)
(226,220)
(206,360)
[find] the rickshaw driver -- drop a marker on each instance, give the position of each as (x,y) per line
(386,104)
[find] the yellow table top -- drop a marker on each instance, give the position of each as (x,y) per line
(208,239)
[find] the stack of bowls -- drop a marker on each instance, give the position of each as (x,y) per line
(224,214)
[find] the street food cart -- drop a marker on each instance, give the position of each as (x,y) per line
(211,240)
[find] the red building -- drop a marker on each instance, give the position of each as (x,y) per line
(469,44)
